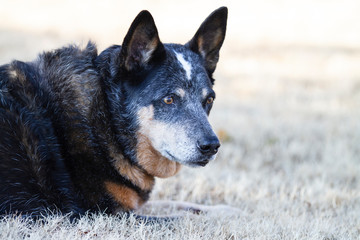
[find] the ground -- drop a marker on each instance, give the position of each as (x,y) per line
(287,112)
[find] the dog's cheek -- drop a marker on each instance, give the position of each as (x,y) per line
(176,139)
(179,144)
(150,136)
(152,161)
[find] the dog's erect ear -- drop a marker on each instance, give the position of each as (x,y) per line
(210,37)
(141,44)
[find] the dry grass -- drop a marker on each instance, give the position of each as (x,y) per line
(287,110)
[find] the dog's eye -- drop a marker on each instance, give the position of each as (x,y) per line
(168,100)
(210,100)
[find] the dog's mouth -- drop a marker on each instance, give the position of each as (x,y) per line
(201,163)
(197,163)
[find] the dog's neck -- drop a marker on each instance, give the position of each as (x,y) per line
(129,152)
(132,157)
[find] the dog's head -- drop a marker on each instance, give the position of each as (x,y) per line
(170,90)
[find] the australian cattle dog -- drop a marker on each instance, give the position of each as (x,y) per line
(82,131)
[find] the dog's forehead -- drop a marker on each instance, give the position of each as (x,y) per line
(187,66)
(186,62)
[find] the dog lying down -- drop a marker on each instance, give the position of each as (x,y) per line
(87,132)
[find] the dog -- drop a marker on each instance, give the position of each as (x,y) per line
(87,132)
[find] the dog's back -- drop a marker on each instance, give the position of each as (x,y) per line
(38,101)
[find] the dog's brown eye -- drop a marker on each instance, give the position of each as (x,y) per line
(168,100)
(210,100)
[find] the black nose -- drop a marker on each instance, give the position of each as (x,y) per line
(209,146)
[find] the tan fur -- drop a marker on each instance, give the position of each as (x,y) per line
(153,162)
(133,173)
(201,47)
(150,48)
(181,92)
(27,144)
(125,196)
(217,37)
(148,157)
(13,74)
(85,88)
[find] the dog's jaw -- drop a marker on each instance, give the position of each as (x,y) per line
(152,161)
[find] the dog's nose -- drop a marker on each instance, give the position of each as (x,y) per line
(209,146)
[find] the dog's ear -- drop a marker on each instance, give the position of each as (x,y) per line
(210,37)
(141,44)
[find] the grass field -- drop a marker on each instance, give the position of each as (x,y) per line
(287,112)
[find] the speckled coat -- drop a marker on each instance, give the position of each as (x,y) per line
(81,131)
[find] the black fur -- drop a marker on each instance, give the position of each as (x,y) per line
(65,114)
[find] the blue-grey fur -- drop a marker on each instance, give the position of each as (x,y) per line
(72,132)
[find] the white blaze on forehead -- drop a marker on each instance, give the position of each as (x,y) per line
(185,64)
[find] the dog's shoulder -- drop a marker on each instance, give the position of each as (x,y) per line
(67,76)
(68,64)
(71,76)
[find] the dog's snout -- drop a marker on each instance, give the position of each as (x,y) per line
(209,146)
